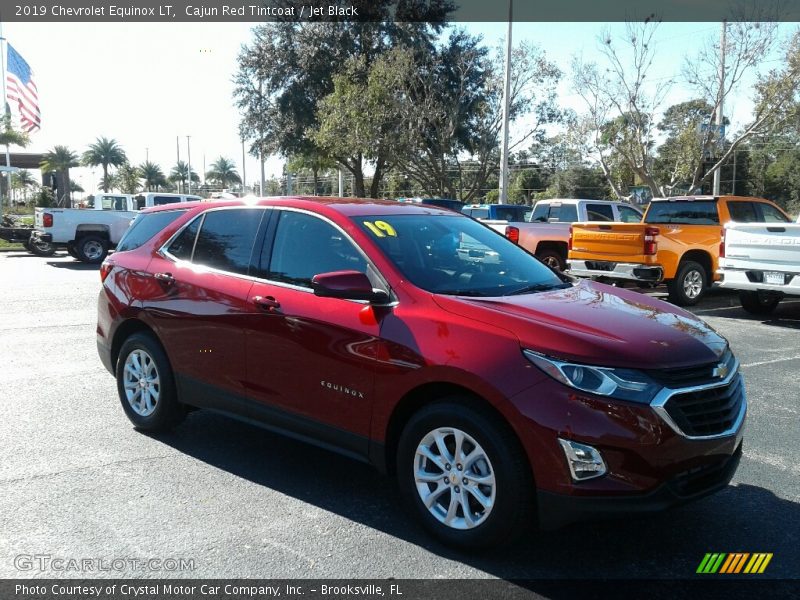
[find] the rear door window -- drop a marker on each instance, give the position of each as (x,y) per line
(145,226)
(743,212)
(162,200)
(599,212)
(226,239)
(684,212)
(183,245)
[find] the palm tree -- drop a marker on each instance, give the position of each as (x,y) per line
(126,179)
(153,176)
(22,180)
(60,160)
(106,152)
(180,173)
(223,171)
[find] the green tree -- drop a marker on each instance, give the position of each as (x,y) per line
(10,136)
(59,160)
(180,174)
(126,179)
(223,172)
(107,153)
(153,176)
(578,182)
(290,66)
(310,163)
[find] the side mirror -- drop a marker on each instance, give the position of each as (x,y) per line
(348,285)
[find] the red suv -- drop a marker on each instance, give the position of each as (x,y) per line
(419,340)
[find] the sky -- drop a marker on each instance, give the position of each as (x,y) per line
(150,85)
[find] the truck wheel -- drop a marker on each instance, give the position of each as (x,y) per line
(146,386)
(758,304)
(91,249)
(689,284)
(552,259)
(464,475)
(40,248)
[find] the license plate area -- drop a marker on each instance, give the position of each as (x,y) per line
(774,278)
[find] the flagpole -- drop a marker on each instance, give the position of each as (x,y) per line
(6,115)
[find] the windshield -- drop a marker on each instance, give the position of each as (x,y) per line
(454,255)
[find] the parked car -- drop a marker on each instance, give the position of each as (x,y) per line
(762,261)
(547,235)
(509,213)
(89,233)
(677,243)
(448,203)
(422,342)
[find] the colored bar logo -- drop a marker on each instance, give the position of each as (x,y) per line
(733,563)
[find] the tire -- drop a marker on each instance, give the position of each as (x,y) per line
(146,385)
(758,304)
(71,251)
(510,498)
(689,285)
(553,259)
(91,249)
(40,248)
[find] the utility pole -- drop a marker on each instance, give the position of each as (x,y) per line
(147,154)
(178,152)
(263,177)
(506,90)
(189,161)
(720,118)
(341,183)
(244,169)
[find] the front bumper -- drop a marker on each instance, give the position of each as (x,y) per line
(556,510)
(616,271)
(752,280)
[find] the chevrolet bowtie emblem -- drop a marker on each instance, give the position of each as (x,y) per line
(721,371)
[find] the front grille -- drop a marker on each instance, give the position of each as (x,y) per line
(707,412)
(691,376)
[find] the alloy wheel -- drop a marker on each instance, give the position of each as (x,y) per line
(141,382)
(454,478)
(693,284)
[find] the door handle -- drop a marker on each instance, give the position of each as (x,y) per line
(266,303)
(165,278)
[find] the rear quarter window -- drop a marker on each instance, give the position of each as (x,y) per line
(145,226)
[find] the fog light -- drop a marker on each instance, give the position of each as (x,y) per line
(584,461)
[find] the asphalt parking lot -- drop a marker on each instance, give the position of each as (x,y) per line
(77,481)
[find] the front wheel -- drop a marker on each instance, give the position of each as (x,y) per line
(91,249)
(146,385)
(689,284)
(464,474)
(758,304)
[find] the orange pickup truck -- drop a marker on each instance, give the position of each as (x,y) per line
(677,242)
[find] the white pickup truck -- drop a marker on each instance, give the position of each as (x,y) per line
(762,261)
(546,235)
(89,233)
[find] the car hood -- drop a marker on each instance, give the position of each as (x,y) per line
(597,324)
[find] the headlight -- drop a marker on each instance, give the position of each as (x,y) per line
(625,384)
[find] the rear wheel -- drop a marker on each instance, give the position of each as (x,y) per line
(91,249)
(463,473)
(689,284)
(759,304)
(146,385)
(552,259)
(71,250)
(40,248)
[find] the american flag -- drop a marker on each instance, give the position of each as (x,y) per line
(21,89)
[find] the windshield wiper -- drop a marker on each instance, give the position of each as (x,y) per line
(538,287)
(472,293)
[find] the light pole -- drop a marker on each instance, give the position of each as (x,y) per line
(503,198)
(189,160)
(720,100)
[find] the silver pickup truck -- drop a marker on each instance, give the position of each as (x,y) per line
(762,261)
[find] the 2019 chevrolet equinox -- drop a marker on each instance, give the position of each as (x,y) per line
(496,390)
